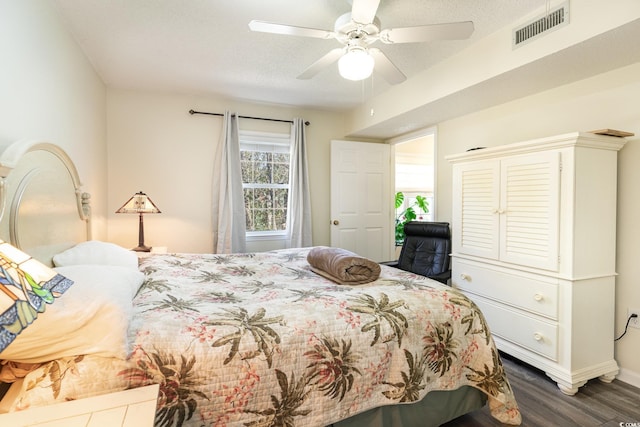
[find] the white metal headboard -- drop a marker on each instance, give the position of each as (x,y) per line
(42,207)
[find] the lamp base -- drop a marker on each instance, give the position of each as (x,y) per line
(142,248)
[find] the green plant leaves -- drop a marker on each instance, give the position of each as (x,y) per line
(409,214)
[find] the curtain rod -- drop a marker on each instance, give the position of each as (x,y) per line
(192,112)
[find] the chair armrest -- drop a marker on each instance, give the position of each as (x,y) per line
(390,263)
(442,277)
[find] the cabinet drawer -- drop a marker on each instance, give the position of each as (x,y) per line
(518,290)
(535,335)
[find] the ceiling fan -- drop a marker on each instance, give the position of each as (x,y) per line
(359,29)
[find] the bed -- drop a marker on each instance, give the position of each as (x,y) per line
(254,339)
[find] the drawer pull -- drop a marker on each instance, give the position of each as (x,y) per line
(538,297)
(465,277)
(537,336)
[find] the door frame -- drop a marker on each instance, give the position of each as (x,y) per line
(432,130)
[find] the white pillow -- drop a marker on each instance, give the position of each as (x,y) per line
(96,252)
(91,317)
(104,275)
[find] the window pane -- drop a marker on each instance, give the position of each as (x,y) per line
(261,221)
(280,219)
(250,223)
(281,173)
(248,198)
(262,173)
(263,198)
(281,158)
(280,198)
(262,156)
(248,205)
(247,171)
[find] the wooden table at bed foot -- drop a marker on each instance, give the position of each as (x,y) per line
(129,408)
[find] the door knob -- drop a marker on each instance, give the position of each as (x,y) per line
(336,222)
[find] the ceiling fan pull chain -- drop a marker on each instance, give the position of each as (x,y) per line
(371,86)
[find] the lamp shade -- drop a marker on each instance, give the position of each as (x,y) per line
(26,286)
(139,203)
(356,64)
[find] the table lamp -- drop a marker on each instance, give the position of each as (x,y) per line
(139,203)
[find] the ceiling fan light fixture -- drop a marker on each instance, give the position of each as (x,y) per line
(356,64)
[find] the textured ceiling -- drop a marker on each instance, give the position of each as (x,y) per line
(205,46)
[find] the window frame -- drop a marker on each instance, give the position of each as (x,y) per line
(267,138)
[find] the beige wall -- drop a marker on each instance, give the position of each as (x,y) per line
(49,91)
(155,146)
(609,100)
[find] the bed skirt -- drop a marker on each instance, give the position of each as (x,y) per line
(437,408)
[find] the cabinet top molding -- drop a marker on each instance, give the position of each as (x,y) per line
(573,139)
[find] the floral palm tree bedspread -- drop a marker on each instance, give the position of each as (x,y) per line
(261,340)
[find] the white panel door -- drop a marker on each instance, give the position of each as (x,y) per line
(361,201)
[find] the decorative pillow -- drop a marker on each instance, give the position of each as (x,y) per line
(92,317)
(96,252)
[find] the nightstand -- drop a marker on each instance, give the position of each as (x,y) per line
(155,250)
(129,408)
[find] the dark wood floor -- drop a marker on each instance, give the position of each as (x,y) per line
(542,404)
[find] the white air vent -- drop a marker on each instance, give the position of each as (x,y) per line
(552,20)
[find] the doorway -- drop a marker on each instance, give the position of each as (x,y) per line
(414,172)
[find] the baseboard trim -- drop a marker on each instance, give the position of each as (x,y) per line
(629,377)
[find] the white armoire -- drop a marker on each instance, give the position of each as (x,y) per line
(534,246)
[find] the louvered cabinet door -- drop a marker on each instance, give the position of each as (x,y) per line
(476,207)
(529,209)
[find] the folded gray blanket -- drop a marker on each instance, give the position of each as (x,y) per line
(342,266)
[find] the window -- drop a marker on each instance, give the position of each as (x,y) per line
(264,159)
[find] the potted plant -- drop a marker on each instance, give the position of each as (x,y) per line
(409,214)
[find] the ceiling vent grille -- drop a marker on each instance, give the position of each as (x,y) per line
(552,20)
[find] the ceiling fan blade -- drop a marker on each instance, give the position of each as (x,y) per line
(290,30)
(386,68)
(363,11)
(331,57)
(425,33)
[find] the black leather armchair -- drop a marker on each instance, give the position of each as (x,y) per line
(426,250)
